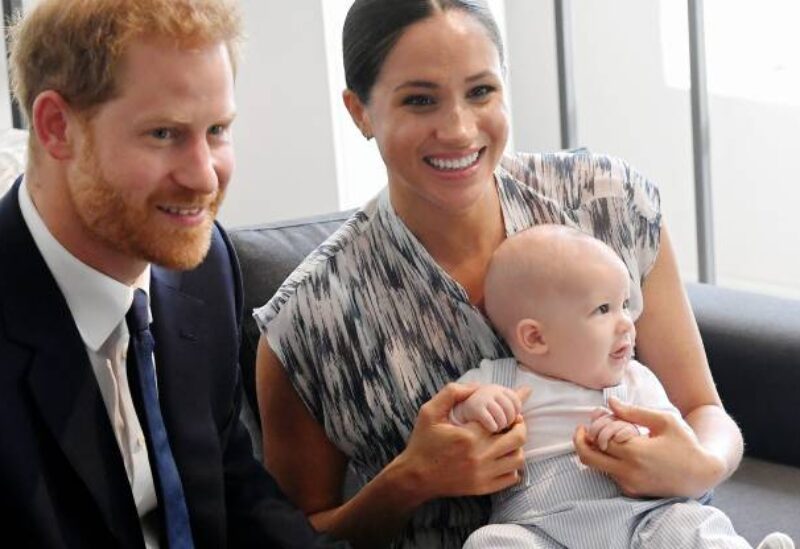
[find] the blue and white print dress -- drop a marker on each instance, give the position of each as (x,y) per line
(369,327)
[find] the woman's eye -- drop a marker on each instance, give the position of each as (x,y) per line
(217,130)
(603,309)
(418,100)
(480,92)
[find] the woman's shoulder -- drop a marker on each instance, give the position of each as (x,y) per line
(577,177)
(337,253)
(577,166)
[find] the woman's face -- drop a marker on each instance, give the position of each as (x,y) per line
(438,114)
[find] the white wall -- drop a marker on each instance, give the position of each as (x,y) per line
(625,107)
(284,131)
(633,102)
(299,154)
(533,76)
(631,74)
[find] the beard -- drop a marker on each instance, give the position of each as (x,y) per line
(135,228)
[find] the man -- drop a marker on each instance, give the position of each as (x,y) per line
(120,298)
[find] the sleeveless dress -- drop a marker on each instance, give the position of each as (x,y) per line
(369,327)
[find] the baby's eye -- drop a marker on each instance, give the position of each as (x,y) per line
(418,100)
(603,309)
(626,304)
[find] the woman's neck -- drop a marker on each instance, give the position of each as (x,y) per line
(461,242)
(451,237)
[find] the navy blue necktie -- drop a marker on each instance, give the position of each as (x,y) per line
(140,351)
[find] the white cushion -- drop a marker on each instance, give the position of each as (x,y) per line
(13,154)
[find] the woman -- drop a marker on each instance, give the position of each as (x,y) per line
(362,340)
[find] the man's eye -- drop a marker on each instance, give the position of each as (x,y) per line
(162,133)
(418,100)
(603,309)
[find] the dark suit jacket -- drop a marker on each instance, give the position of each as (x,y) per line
(63,479)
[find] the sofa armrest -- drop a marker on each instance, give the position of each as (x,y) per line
(753,346)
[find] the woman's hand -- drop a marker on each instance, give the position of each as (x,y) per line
(443,460)
(669,462)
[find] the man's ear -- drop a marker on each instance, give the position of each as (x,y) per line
(358,112)
(530,336)
(51,118)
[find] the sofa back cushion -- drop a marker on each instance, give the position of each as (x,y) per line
(268,254)
(751,340)
(753,346)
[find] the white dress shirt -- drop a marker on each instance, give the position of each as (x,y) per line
(98,304)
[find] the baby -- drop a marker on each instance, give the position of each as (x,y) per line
(560,300)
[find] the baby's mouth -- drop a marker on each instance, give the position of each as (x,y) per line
(623,351)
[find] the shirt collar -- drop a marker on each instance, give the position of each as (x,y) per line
(98,303)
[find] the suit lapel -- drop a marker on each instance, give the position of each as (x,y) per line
(176,320)
(179,352)
(61,380)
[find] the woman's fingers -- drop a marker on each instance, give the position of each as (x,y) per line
(464,459)
(505,443)
(439,406)
(655,420)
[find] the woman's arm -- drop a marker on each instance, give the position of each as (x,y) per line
(671,461)
(440,460)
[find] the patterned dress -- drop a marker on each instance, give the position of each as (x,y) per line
(369,327)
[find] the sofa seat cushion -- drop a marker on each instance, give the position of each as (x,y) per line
(762,497)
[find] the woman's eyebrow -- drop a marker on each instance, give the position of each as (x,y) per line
(417,84)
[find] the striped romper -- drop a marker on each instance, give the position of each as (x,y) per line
(562,503)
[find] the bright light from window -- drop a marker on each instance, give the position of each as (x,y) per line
(752,48)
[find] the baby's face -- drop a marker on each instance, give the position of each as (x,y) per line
(590,333)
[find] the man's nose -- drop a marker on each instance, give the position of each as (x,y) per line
(197,169)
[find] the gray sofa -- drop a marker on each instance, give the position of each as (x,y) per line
(752,342)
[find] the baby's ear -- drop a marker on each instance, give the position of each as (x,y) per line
(530,337)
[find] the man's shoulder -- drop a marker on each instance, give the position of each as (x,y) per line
(21,262)
(216,282)
(11,221)
(219,266)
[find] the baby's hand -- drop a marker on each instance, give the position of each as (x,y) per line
(493,406)
(606,426)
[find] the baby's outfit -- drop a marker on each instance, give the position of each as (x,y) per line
(562,503)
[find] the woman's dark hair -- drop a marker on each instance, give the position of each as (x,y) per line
(372,28)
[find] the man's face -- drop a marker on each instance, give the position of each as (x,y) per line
(153,163)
